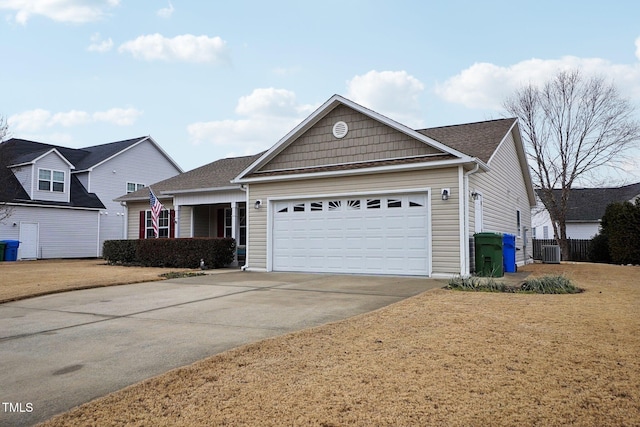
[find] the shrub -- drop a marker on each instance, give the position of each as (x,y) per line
(621,225)
(177,253)
(475,283)
(599,249)
(119,251)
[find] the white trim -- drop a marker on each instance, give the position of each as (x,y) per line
(362,171)
(200,190)
(349,194)
(386,159)
(325,109)
(36,205)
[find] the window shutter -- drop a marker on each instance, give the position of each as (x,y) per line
(172,223)
(143,224)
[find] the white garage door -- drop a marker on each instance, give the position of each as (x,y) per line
(366,234)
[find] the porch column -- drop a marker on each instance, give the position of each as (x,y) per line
(234,230)
(176,226)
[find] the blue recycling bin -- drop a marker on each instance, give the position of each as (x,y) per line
(509,253)
(11,250)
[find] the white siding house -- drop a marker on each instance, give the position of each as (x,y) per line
(61,199)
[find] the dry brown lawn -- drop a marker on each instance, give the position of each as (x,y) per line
(23,279)
(443,358)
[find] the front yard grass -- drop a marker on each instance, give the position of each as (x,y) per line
(441,358)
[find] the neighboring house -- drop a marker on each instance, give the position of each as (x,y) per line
(349,190)
(61,199)
(586,207)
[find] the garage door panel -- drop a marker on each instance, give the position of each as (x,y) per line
(375,235)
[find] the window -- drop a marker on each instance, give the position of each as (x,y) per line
(228,229)
(394,203)
(298,207)
(316,206)
(50,180)
(132,186)
(353,204)
(334,205)
(163,225)
(373,203)
(415,202)
(518,224)
(242,219)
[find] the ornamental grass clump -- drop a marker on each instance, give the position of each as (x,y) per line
(550,285)
(477,284)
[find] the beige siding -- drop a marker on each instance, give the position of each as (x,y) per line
(366,140)
(185,221)
(445,225)
(504,191)
(134,208)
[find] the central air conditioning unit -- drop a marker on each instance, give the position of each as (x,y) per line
(551,254)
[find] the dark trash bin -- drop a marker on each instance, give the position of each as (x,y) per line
(489,256)
(509,253)
(2,246)
(11,250)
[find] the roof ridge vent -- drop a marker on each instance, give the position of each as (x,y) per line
(340,129)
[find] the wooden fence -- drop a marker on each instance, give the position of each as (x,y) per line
(578,249)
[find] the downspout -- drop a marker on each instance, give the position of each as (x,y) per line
(246,210)
(467,262)
(125,225)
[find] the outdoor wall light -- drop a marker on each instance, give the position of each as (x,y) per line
(475,195)
(257,204)
(445,192)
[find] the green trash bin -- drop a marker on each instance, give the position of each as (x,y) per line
(2,245)
(489,254)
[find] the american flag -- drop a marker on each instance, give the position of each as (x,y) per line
(156,207)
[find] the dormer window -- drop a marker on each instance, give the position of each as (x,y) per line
(50,180)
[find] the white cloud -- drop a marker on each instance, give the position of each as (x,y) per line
(75,11)
(485,85)
(118,116)
(269,114)
(38,119)
(392,93)
(99,45)
(187,47)
(166,12)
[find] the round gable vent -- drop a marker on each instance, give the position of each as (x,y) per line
(340,129)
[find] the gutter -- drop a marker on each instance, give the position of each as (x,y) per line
(465,270)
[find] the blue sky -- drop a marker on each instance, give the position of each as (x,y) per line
(212,79)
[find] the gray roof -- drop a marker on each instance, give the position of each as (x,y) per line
(589,204)
(215,175)
(480,139)
(19,151)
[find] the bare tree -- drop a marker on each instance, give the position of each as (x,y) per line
(7,182)
(572,125)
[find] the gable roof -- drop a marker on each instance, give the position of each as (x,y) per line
(336,100)
(215,176)
(17,152)
(479,140)
(589,204)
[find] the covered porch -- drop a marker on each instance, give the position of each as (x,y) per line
(221,214)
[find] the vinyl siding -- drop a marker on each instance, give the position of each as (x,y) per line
(63,232)
(133,226)
(366,140)
(445,226)
(504,191)
(24,175)
(52,161)
(142,164)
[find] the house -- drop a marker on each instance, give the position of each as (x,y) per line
(349,190)
(61,199)
(199,203)
(586,207)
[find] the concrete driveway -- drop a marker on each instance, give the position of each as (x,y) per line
(62,350)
